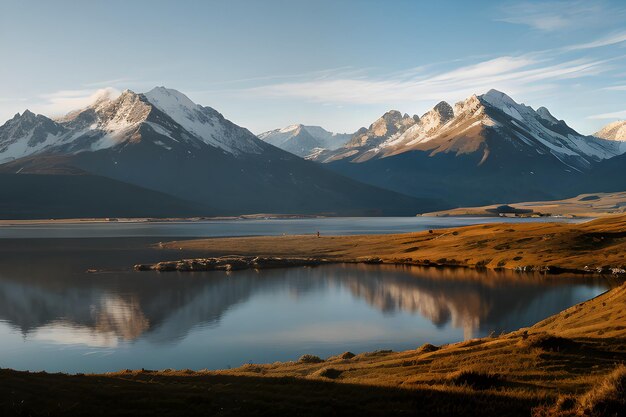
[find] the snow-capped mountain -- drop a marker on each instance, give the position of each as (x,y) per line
(485,149)
(204,123)
(482,124)
(304,140)
(27,133)
(162,141)
(613,131)
(389,125)
(113,122)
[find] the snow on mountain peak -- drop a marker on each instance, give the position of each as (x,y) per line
(169,99)
(546,115)
(498,99)
(205,123)
(290,128)
(304,140)
(472,124)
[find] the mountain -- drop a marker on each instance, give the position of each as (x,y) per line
(304,140)
(390,125)
(613,131)
(162,141)
(27,133)
(486,149)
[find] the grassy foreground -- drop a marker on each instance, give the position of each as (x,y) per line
(598,244)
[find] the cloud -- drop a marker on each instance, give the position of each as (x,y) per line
(616,88)
(606,41)
(63,101)
(509,73)
(614,115)
(550,16)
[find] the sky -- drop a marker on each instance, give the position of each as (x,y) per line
(339,64)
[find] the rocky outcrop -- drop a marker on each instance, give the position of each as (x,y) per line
(230,263)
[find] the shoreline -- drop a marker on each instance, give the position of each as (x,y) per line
(236,263)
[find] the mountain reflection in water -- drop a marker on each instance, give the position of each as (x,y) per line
(51,301)
(164,307)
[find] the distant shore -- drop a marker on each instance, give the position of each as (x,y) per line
(260,216)
(582,206)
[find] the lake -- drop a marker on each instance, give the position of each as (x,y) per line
(216,228)
(56,317)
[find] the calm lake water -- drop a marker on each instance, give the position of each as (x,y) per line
(56,317)
(336,226)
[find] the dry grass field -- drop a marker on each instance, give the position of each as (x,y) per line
(596,244)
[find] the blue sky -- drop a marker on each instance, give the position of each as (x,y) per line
(338,64)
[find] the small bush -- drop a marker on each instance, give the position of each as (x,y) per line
(330,373)
(347,355)
(427,347)
(310,359)
(549,343)
(476,379)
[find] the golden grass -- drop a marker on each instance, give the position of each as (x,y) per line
(588,246)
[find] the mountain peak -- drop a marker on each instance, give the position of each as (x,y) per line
(204,123)
(444,110)
(392,115)
(303,140)
(546,115)
(497,99)
(290,128)
(168,98)
(613,131)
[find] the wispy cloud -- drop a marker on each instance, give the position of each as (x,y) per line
(64,101)
(614,115)
(510,73)
(616,88)
(326,73)
(557,15)
(613,39)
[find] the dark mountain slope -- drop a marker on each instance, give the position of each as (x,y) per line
(30,196)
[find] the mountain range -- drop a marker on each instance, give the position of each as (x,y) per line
(177,157)
(158,154)
(483,150)
(305,141)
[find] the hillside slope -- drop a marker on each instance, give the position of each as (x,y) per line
(76,196)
